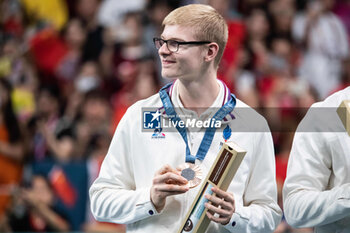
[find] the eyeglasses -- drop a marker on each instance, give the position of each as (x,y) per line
(173,45)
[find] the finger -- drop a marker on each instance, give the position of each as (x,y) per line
(167,168)
(166,194)
(172,188)
(211,212)
(213,204)
(216,201)
(222,212)
(217,219)
(223,194)
(174,178)
(226,195)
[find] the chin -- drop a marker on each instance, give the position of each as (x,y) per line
(168,75)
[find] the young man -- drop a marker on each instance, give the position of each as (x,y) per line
(316,192)
(139,184)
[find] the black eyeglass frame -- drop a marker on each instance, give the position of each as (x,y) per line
(178,43)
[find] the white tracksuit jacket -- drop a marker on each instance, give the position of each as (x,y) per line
(121,193)
(316,192)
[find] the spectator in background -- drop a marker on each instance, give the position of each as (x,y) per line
(89,78)
(97,36)
(67,174)
(246,6)
(12,148)
(74,36)
(12,18)
(54,157)
(47,117)
(33,209)
(10,55)
(142,86)
(258,29)
(342,10)
(111,12)
(345,75)
(47,49)
(61,145)
(325,44)
(128,51)
(19,70)
(225,8)
(281,13)
(53,12)
(93,119)
(244,79)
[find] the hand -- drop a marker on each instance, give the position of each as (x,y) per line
(30,197)
(166,182)
(314,10)
(223,204)
(43,128)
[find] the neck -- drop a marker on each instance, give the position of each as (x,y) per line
(198,95)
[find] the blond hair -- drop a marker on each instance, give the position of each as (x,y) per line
(206,22)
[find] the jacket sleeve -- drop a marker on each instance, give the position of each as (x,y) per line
(307,203)
(259,211)
(113,195)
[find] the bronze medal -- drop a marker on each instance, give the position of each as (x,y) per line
(192,173)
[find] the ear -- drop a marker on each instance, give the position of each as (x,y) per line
(213,49)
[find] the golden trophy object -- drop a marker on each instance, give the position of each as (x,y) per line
(220,175)
(344,114)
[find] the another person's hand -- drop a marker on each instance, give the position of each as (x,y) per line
(30,198)
(44,129)
(314,10)
(223,204)
(167,182)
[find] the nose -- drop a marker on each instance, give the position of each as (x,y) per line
(163,50)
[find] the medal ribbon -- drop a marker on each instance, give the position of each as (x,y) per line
(209,133)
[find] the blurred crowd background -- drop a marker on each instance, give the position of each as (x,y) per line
(70,69)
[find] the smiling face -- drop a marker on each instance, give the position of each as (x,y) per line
(189,61)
